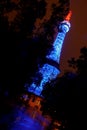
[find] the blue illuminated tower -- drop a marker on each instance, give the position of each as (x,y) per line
(50,69)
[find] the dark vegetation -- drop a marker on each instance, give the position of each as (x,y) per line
(21,49)
(66,96)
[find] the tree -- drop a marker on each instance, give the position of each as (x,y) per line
(24,48)
(80,63)
(67,95)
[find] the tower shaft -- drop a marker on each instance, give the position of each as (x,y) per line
(49,70)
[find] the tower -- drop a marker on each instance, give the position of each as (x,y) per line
(50,69)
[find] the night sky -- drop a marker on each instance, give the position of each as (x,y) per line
(76,38)
(19,57)
(16,27)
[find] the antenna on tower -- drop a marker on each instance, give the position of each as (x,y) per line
(67,18)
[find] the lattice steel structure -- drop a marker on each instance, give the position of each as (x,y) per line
(50,69)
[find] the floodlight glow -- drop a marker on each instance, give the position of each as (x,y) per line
(49,71)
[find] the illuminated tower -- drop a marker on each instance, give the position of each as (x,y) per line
(50,69)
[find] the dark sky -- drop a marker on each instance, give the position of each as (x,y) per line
(76,38)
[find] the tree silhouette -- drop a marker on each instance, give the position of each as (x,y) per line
(25,47)
(65,97)
(80,63)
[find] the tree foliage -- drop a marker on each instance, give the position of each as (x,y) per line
(24,43)
(65,97)
(81,63)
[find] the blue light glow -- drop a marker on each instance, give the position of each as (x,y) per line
(24,121)
(57,46)
(50,71)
